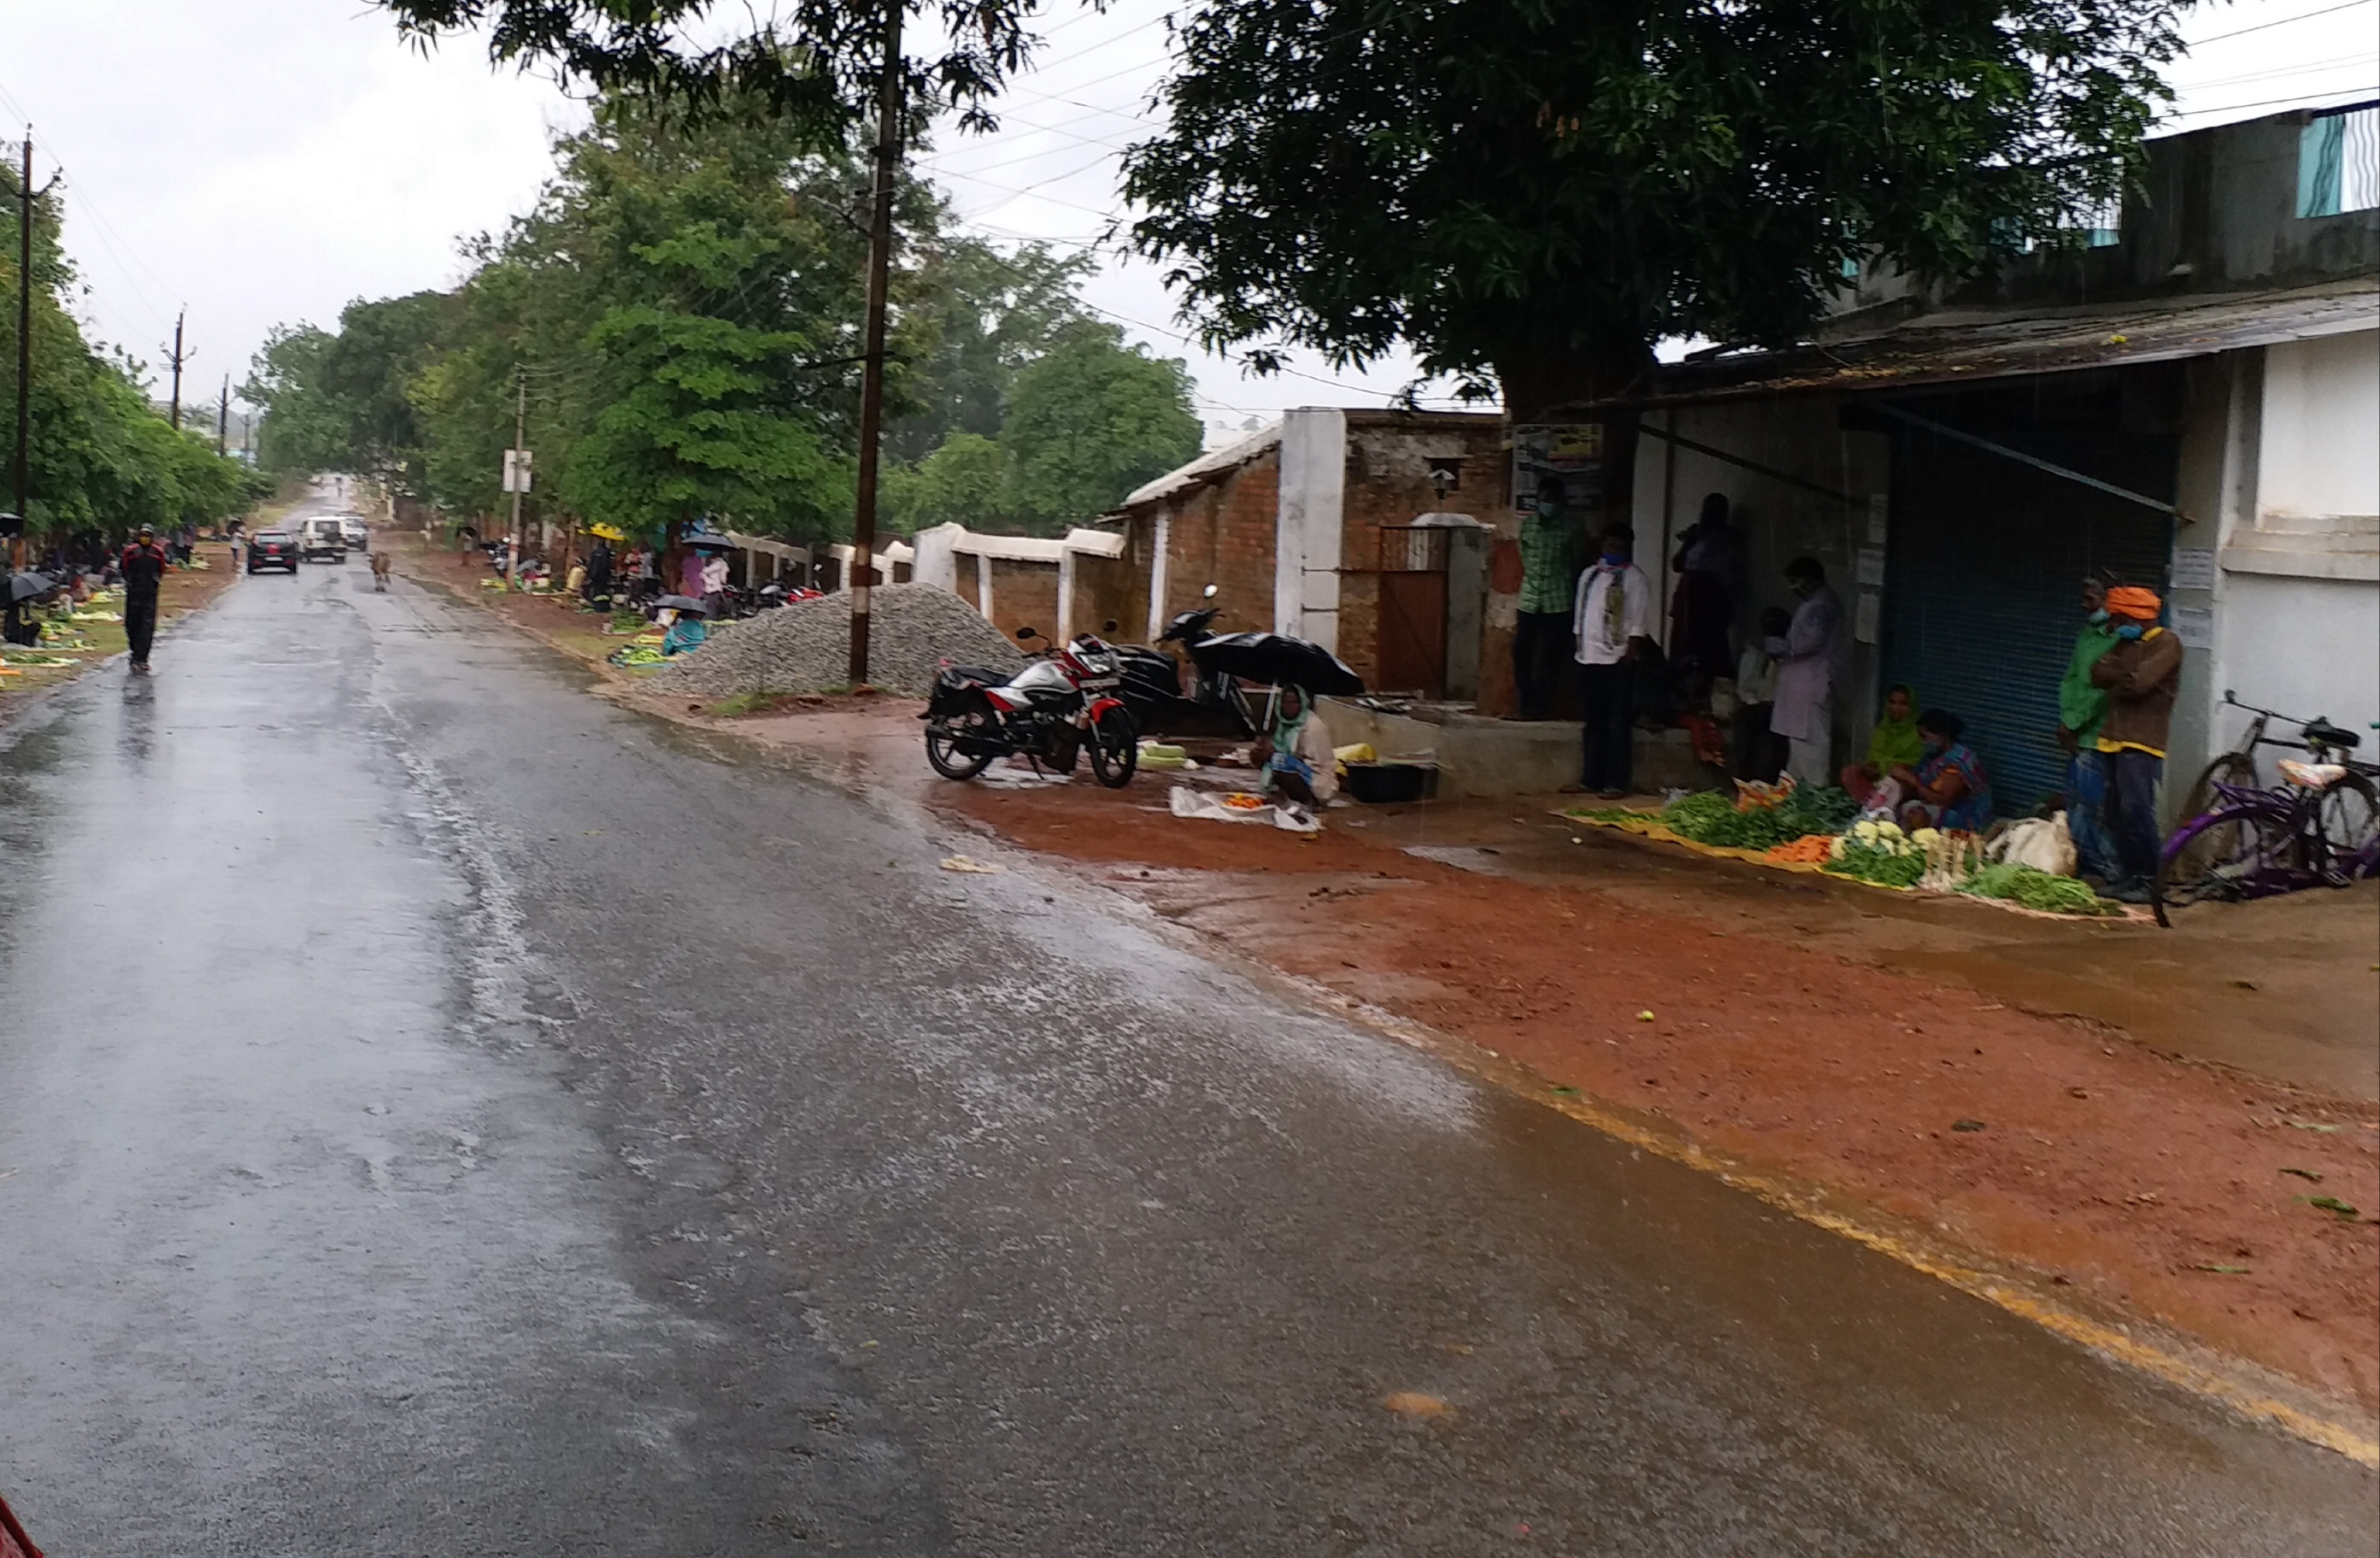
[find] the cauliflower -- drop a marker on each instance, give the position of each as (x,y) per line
(1867,831)
(1888,829)
(1925,837)
(1835,851)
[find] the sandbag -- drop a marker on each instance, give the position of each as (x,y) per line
(2044,844)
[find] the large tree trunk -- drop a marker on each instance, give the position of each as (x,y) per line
(1547,382)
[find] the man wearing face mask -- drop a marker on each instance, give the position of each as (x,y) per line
(1614,620)
(1811,659)
(2080,708)
(2140,673)
(1549,574)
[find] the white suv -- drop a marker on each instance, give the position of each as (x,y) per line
(323,538)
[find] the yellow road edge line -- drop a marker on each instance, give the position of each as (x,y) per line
(2105,1340)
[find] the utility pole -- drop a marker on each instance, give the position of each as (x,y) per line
(871,374)
(222,419)
(26,196)
(180,356)
(520,463)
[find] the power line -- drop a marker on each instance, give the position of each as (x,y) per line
(2270,103)
(2284,21)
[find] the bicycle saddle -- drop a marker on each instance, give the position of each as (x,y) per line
(2330,735)
(2312,775)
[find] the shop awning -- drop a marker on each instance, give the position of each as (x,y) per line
(1940,348)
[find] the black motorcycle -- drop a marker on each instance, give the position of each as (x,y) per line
(1216,706)
(1062,704)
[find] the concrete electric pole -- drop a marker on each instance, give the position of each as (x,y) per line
(871,374)
(517,469)
(222,419)
(173,414)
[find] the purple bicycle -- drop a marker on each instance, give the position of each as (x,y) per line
(2318,827)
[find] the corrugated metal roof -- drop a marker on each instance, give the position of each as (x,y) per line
(1938,348)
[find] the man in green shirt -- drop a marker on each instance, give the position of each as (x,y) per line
(2080,708)
(1549,567)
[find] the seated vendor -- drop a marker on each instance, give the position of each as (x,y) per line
(1893,745)
(1301,767)
(685,632)
(1946,788)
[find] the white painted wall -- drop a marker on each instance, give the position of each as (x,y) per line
(2321,445)
(2304,646)
(937,563)
(1308,523)
(2296,602)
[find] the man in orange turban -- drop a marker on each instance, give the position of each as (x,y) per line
(2141,676)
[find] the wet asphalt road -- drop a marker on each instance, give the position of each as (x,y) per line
(445,1113)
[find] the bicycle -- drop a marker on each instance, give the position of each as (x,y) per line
(2319,826)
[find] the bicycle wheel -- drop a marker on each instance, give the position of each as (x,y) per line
(2350,817)
(2212,846)
(2237,769)
(2218,856)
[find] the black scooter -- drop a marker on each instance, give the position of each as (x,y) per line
(1213,709)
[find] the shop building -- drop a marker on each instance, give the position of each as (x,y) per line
(2191,402)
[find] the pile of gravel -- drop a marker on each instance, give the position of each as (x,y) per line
(912,630)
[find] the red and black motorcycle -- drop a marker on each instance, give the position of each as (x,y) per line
(1063,704)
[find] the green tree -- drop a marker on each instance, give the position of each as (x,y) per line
(1538,192)
(1090,420)
(966,482)
(99,455)
(301,431)
(978,317)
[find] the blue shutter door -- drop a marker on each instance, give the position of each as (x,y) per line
(1985,562)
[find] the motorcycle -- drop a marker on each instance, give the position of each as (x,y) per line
(1063,702)
(1217,705)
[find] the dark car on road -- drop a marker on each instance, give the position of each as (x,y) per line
(271,549)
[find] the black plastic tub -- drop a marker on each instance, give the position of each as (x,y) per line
(1385,784)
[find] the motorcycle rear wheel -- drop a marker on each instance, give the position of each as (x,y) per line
(942,752)
(1114,748)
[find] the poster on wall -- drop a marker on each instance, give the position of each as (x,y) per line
(2193,568)
(1571,453)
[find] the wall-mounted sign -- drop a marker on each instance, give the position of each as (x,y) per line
(1569,453)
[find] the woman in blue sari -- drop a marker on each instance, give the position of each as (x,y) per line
(1947,788)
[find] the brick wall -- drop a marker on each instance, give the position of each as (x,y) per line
(1023,595)
(1222,535)
(1388,484)
(1105,591)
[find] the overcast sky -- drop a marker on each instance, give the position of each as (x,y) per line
(264,161)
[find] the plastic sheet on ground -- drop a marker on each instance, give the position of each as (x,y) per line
(1289,817)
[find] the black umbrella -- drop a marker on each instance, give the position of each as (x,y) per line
(1278,661)
(25,585)
(705,541)
(683,603)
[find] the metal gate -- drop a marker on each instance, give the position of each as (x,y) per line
(1985,564)
(1413,609)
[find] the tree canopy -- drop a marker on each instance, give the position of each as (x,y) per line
(1538,192)
(810,64)
(680,311)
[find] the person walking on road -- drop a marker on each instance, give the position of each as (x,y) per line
(2141,676)
(143,566)
(1811,659)
(1614,619)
